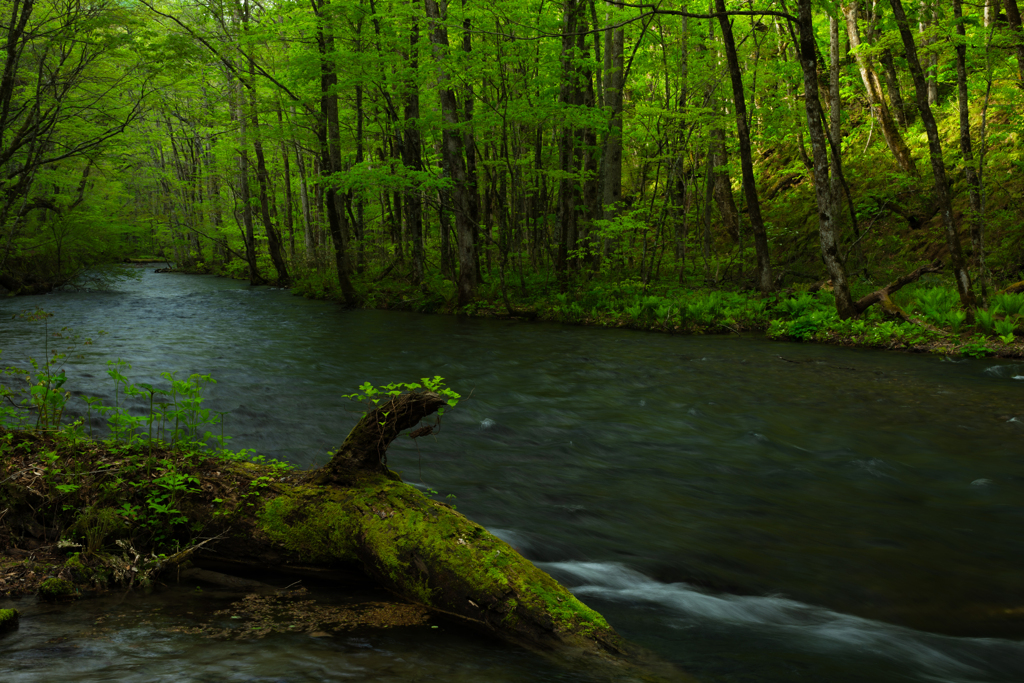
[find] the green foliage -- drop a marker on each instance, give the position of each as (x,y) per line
(937,305)
(986,319)
(373,395)
(1011,304)
(976,349)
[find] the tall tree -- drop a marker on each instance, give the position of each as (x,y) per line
(941,182)
(452,153)
(893,137)
(764,278)
(819,145)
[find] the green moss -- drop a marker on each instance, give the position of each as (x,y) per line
(8,620)
(568,612)
(57,589)
(303,522)
(423,550)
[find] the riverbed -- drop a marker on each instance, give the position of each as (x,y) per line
(750,510)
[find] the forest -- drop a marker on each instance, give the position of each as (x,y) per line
(632,162)
(629,506)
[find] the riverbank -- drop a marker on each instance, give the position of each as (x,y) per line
(924,317)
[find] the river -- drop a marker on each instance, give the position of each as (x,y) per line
(750,510)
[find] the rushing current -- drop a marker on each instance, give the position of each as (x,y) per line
(749,510)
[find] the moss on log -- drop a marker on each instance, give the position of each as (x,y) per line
(352,514)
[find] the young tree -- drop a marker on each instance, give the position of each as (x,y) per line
(941,182)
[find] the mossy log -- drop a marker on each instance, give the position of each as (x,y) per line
(354,511)
(353,516)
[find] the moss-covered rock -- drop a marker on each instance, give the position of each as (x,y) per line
(55,588)
(8,620)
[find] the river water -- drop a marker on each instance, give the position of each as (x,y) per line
(750,510)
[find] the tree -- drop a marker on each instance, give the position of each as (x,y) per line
(765,281)
(941,182)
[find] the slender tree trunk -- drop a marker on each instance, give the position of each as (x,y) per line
(568,187)
(245,197)
(1014,19)
(307,222)
(262,178)
(411,155)
(929,17)
(289,218)
(819,148)
(942,193)
(892,85)
(991,12)
(329,134)
(469,140)
(977,218)
(765,281)
(452,154)
(893,138)
(611,161)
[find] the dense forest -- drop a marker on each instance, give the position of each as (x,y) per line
(446,154)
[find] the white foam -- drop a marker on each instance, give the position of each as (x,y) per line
(809,627)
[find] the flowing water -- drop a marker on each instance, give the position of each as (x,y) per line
(750,510)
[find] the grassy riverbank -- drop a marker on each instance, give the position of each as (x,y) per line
(928,319)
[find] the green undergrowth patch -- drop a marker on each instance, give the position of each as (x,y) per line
(932,321)
(117,514)
(115,510)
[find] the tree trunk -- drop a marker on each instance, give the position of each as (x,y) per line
(361,518)
(976,217)
(765,281)
(568,187)
(942,193)
(452,154)
(411,155)
(262,177)
(307,222)
(893,138)
(329,134)
(1014,19)
(289,217)
(611,161)
(245,197)
(823,190)
(892,84)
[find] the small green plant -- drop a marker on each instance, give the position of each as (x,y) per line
(1005,327)
(797,306)
(936,304)
(986,320)
(976,349)
(373,395)
(46,394)
(1012,304)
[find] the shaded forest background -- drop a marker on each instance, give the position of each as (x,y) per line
(436,154)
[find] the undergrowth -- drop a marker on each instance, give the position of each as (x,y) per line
(126,505)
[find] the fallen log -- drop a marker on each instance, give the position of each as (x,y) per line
(883,296)
(352,515)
